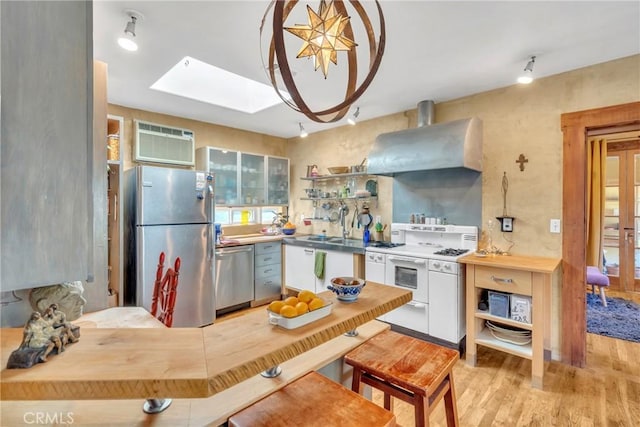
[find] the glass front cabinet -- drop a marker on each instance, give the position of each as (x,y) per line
(246,179)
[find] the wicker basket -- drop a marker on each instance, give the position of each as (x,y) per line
(338,170)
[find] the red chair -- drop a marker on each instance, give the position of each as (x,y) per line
(164,291)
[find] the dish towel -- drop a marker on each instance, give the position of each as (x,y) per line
(319,264)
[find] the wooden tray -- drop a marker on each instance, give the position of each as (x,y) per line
(303,319)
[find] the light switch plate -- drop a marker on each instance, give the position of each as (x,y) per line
(554,226)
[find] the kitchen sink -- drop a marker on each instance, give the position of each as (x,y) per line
(334,240)
(341,241)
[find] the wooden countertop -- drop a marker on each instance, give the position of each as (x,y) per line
(514,262)
(181,362)
(211,411)
(248,239)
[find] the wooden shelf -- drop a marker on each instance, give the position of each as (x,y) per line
(485,338)
(336,176)
(319,199)
(497,319)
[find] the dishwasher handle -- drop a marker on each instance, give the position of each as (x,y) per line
(223,252)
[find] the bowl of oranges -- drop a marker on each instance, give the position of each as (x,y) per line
(296,311)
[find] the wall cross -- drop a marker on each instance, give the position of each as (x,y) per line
(522,160)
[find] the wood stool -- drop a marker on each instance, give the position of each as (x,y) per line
(313,400)
(409,369)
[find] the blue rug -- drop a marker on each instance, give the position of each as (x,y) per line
(619,319)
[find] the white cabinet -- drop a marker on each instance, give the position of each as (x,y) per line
(300,267)
(245,179)
(446,306)
(336,264)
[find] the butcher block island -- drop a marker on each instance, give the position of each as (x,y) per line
(182,362)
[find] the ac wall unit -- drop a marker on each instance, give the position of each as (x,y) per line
(164,144)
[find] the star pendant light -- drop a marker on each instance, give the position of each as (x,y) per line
(323,36)
(329,31)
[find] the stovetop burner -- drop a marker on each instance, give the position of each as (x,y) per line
(451,252)
(384,244)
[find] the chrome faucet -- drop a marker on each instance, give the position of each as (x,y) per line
(343,212)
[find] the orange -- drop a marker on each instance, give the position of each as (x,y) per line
(302,307)
(288,311)
(292,301)
(316,303)
(276,306)
(306,296)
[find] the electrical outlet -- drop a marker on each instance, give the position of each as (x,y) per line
(554,226)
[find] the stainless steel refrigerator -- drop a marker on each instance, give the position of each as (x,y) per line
(171,210)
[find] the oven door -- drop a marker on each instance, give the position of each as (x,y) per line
(408,273)
(413,315)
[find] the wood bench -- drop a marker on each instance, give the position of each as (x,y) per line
(313,400)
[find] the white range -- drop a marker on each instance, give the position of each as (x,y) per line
(423,258)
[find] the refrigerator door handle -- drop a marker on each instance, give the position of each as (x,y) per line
(210,244)
(211,247)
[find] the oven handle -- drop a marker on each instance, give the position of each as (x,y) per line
(412,260)
(416,304)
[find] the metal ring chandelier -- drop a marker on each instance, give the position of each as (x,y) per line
(332,25)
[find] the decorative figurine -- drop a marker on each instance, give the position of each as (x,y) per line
(43,333)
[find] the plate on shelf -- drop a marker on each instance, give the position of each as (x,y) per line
(511,335)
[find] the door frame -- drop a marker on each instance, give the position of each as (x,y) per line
(575,126)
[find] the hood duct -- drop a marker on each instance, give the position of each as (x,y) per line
(456,144)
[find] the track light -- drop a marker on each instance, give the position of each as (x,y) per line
(527,75)
(303,133)
(127,41)
(354,117)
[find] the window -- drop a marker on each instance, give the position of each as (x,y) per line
(237,216)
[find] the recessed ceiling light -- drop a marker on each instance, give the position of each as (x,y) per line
(195,79)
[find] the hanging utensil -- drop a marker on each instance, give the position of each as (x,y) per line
(365,219)
(355,215)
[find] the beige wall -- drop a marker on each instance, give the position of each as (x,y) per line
(517,120)
(205,134)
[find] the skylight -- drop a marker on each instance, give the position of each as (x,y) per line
(194,79)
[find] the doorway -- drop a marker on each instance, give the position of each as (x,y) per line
(575,127)
(622,212)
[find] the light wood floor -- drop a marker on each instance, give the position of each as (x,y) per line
(497,391)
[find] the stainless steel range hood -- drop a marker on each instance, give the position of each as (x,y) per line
(456,144)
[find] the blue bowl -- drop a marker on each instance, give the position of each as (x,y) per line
(288,231)
(346,289)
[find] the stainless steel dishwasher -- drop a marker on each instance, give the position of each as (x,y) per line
(234,277)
